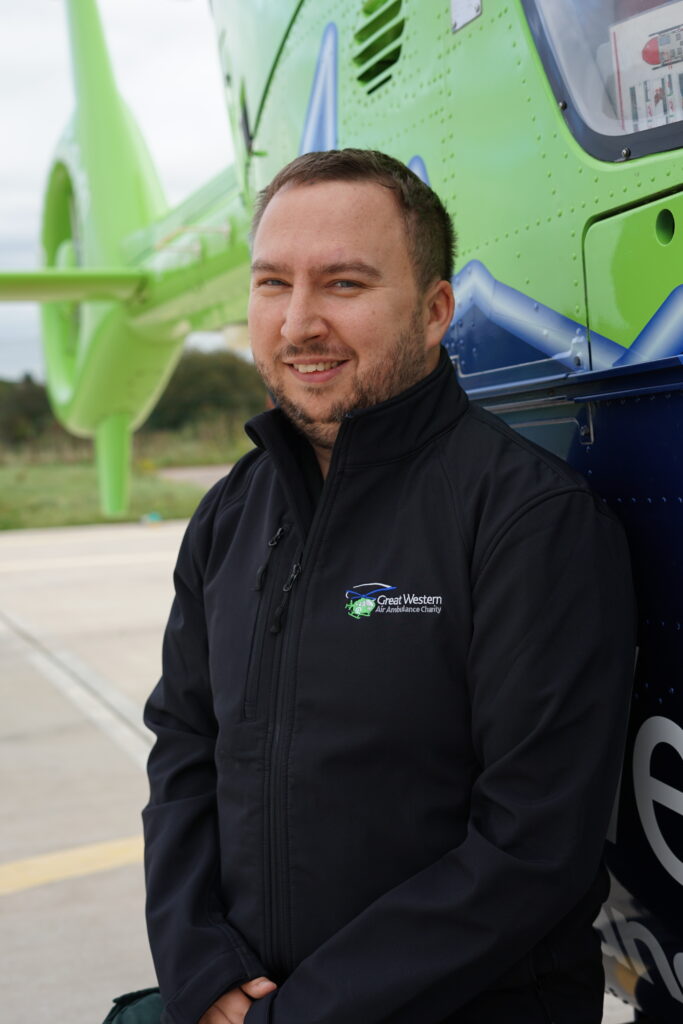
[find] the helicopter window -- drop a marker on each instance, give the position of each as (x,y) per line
(616,67)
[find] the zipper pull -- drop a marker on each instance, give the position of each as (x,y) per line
(278,617)
(262,569)
(293,577)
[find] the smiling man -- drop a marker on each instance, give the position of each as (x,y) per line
(396,671)
(344,319)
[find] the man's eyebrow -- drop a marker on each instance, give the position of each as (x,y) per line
(351,267)
(273,268)
(342,267)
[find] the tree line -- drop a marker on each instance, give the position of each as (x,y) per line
(204,386)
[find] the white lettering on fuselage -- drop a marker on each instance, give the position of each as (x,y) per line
(650,791)
(621,938)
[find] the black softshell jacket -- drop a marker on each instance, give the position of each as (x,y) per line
(389,801)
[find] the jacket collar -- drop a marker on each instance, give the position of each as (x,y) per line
(382,433)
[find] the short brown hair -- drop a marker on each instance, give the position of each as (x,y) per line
(431,237)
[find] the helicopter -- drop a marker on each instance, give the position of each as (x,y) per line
(552,130)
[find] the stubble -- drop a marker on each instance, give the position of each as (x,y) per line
(383,381)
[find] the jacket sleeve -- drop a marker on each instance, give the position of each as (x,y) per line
(198,955)
(550,670)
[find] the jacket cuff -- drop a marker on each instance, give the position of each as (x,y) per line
(231,968)
(261,1011)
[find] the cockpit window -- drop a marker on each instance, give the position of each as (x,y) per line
(616,67)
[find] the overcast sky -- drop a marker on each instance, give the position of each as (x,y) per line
(165,58)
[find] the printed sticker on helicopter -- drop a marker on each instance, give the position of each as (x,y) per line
(647,68)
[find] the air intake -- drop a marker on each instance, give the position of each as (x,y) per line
(379,42)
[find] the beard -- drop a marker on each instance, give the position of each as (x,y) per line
(409,365)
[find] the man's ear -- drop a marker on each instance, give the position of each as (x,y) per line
(439,304)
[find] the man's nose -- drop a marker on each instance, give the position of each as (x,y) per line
(302,320)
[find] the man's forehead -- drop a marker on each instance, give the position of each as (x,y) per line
(332,203)
(330,222)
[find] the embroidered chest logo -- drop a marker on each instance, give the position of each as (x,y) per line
(367,598)
(362,599)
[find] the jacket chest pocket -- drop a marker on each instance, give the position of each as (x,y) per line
(262,638)
(238,602)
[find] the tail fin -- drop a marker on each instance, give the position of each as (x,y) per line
(102,188)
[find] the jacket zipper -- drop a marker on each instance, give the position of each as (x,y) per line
(281,610)
(257,642)
(275,867)
(277,937)
(263,569)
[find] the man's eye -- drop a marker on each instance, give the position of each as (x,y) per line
(270,282)
(346,284)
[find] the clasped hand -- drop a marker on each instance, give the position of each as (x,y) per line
(232,1007)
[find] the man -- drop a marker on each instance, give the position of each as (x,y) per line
(396,671)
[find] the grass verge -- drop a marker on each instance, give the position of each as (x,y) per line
(201,444)
(35,495)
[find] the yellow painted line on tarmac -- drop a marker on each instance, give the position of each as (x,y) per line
(17,875)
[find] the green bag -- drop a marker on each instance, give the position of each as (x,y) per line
(143,1007)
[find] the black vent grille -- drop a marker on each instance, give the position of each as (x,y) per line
(378,42)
